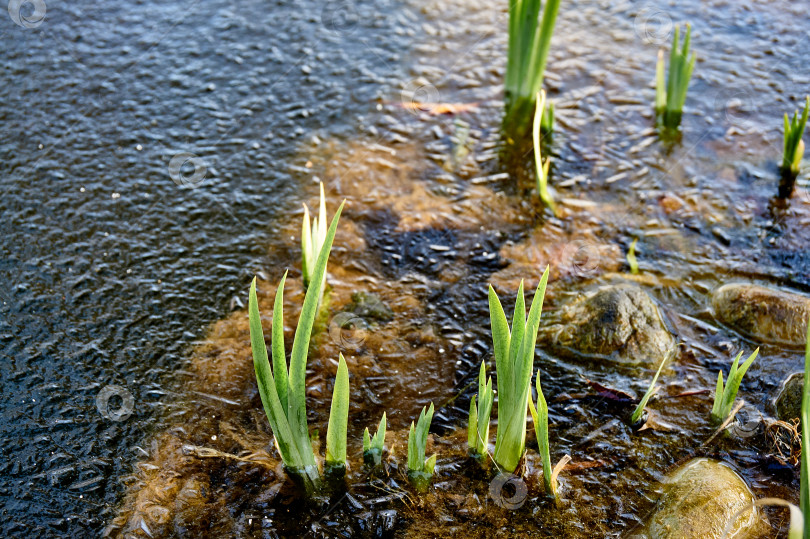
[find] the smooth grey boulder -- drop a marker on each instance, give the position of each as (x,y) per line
(619,322)
(700,499)
(765,314)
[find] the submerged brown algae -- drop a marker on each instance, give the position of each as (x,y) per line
(426,241)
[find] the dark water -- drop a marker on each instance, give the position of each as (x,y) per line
(109,269)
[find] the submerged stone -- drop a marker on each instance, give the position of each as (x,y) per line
(369,306)
(700,499)
(765,314)
(619,322)
(788,402)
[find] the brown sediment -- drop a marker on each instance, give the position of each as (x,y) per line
(569,254)
(223,426)
(380,178)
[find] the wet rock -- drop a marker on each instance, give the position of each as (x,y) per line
(619,322)
(370,307)
(788,402)
(700,499)
(377,523)
(765,314)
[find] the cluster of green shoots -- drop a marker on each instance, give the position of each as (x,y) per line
(670,96)
(283,392)
(420,469)
(794,150)
(724,396)
(514,361)
(282,388)
(529,43)
(373,447)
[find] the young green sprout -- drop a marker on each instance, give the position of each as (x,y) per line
(514,360)
(478,429)
(631,257)
(283,390)
(542,167)
(671,96)
(794,150)
(420,470)
(373,447)
(312,240)
(636,417)
(540,420)
(338,420)
(529,43)
(724,396)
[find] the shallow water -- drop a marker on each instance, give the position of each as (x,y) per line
(112,262)
(109,269)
